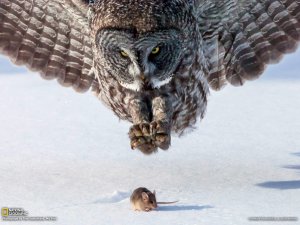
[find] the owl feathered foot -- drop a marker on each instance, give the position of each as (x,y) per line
(140,137)
(148,137)
(160,131)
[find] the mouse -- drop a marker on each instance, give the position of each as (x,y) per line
(144,200)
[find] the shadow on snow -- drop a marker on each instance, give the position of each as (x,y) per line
(296,154)
(184,207)
(282,185)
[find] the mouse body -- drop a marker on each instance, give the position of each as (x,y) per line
(144,200)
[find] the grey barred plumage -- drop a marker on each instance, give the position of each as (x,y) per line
(151,62)
(248,35)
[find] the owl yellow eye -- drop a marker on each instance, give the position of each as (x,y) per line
(123,53)
(155,50)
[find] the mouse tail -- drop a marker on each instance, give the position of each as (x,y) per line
(165,203)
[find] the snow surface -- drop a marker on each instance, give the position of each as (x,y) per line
(64,154)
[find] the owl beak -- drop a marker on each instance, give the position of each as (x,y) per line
(143,77)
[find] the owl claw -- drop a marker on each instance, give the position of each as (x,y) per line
(140,138)
(163,141)
(161,131)
(148,137)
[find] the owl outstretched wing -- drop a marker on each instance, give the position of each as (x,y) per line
(50,37)
(242,37)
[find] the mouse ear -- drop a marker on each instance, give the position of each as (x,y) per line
(145,196)
(154,192)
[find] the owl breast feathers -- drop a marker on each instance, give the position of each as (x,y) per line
(151,62)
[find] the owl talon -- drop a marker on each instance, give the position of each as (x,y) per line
(137,142)
(163,141)
(148,137)
(145,147)
(135,131)
(161,131)
(139,135)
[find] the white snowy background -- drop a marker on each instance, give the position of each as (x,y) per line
(64,154)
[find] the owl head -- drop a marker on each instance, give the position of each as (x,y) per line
(140,43)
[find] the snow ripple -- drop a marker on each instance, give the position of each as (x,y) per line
(116,196)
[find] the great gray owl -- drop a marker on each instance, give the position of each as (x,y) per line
(150,61)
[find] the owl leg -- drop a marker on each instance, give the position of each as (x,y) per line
(160,127)
(139,133)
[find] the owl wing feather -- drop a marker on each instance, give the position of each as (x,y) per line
(50,37)
(242,37)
